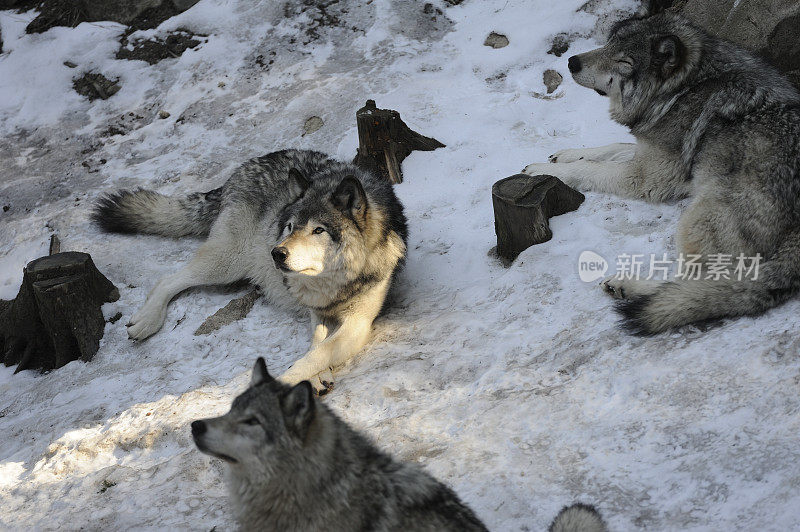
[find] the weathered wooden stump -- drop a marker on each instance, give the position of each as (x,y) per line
(56,316)
(522,206)
(384,140)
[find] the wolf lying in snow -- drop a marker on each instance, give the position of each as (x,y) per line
(712,122)
(310,231)
(293,465)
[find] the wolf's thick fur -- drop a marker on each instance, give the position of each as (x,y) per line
(578,517)
(310,231)
(713,122)
(293,465)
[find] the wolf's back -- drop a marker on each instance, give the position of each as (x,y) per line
(578,518)
(145,211)
(687,301)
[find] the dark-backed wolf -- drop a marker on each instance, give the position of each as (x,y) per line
(311,232)
(713,122)
(293,465)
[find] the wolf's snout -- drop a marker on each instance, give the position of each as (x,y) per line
(279,255)
(198,428)
(574,64)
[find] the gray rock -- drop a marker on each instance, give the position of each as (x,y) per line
(235,310)
(312,124)
(552,80)
(496,40)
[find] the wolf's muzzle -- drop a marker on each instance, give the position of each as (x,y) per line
(574,64)
(198,428)
(279,255)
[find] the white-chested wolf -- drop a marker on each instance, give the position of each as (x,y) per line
(310,231)
(293,465)
(713,122)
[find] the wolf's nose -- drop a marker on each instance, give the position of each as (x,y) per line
(198,428)
(574,64)
(279,254)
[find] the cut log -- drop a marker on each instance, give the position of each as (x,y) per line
(56,316)
(522,206)
(384,140)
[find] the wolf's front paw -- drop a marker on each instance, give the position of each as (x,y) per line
(146,322)
(322,382)
(537,169)
(567,156)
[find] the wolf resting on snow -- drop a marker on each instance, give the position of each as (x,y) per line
(311,232)
(293,465)
(713,122)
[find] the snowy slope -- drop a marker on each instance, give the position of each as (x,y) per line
(512,385)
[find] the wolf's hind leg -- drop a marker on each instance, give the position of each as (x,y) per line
(211,265)
(619,152)
(629,288)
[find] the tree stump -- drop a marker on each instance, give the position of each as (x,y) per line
(56,316)
(522,206)
(384,140)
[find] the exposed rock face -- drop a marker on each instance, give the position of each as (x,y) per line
(73,12)
(769,27)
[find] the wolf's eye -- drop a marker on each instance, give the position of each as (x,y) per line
(250,421)
(318,230)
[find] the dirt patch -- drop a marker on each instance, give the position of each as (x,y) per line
(157,49)
(94,86)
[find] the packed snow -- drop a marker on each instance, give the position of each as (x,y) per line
(513,385)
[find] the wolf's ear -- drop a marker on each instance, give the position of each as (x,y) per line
(298,409)
(260,374)
(350,196)
(298,183)
(668,54)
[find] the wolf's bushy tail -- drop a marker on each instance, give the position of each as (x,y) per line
(687,301)
(145,211)
(578,518)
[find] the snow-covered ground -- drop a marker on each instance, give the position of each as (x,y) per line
(512,385)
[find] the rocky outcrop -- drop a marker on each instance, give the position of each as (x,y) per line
(128,12)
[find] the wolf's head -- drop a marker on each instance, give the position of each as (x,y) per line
(645,58)
(266,424)
(320,229)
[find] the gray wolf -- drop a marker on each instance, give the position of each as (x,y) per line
(293,465)
(714,123)
(313,233)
